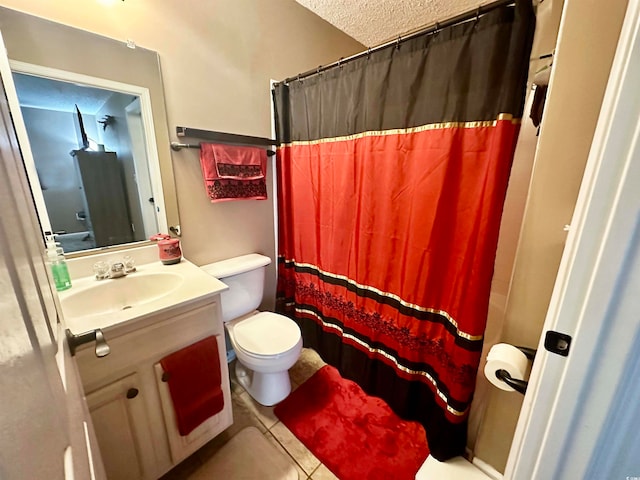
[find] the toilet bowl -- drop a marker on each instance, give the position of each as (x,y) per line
(266,344)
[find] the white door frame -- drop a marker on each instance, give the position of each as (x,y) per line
(135,127)
(568,424)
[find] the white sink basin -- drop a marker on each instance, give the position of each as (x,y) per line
(114,295)
(140,296)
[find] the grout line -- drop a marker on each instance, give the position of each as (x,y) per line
(288,453)
(315,469)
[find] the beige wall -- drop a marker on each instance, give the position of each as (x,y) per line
(586,44)
(217,58)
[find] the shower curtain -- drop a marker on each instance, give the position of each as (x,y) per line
(392,173)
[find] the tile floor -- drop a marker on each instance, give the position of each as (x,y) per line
(247,412)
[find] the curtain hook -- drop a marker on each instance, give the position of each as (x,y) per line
(299,78)
(398,42)
(368,52)
(478,14)
(318,70)
(437,28)
(340,62)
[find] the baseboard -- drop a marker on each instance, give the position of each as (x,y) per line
(487,469)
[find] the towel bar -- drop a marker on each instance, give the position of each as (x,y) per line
(179,146)
(222,137)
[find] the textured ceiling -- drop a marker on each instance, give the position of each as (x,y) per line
(38,92)
(373,22)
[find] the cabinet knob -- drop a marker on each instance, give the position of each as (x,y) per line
(132,393)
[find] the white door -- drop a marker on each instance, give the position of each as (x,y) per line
(44,432)
(581,413)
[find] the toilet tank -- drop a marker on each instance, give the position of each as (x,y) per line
(244,276)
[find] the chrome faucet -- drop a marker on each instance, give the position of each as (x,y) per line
(103,270)
(117,270)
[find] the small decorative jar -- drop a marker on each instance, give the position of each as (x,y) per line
(170,252)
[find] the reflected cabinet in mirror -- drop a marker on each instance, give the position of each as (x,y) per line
(91,122)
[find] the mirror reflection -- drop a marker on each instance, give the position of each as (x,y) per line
(89,150)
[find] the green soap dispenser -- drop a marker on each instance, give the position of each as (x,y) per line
(55,256)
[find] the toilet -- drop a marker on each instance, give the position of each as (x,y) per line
(266,344)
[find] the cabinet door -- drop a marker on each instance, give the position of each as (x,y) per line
(183,446)
(122,427)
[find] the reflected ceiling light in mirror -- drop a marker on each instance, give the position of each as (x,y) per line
(108,3)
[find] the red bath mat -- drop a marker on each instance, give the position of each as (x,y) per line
(356,436)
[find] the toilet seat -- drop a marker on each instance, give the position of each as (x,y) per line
(266,334)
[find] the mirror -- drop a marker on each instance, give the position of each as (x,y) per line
(101,173)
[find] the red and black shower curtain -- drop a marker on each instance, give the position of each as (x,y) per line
(392,173)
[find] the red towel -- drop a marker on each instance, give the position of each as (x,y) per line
(194,383)
(233,173)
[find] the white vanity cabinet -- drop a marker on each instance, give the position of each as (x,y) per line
(119,417)
(130,406)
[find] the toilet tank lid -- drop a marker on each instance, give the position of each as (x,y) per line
(236,265)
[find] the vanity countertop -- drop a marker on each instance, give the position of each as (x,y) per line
(152,289)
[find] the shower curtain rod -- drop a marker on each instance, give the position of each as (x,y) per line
(463,17)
